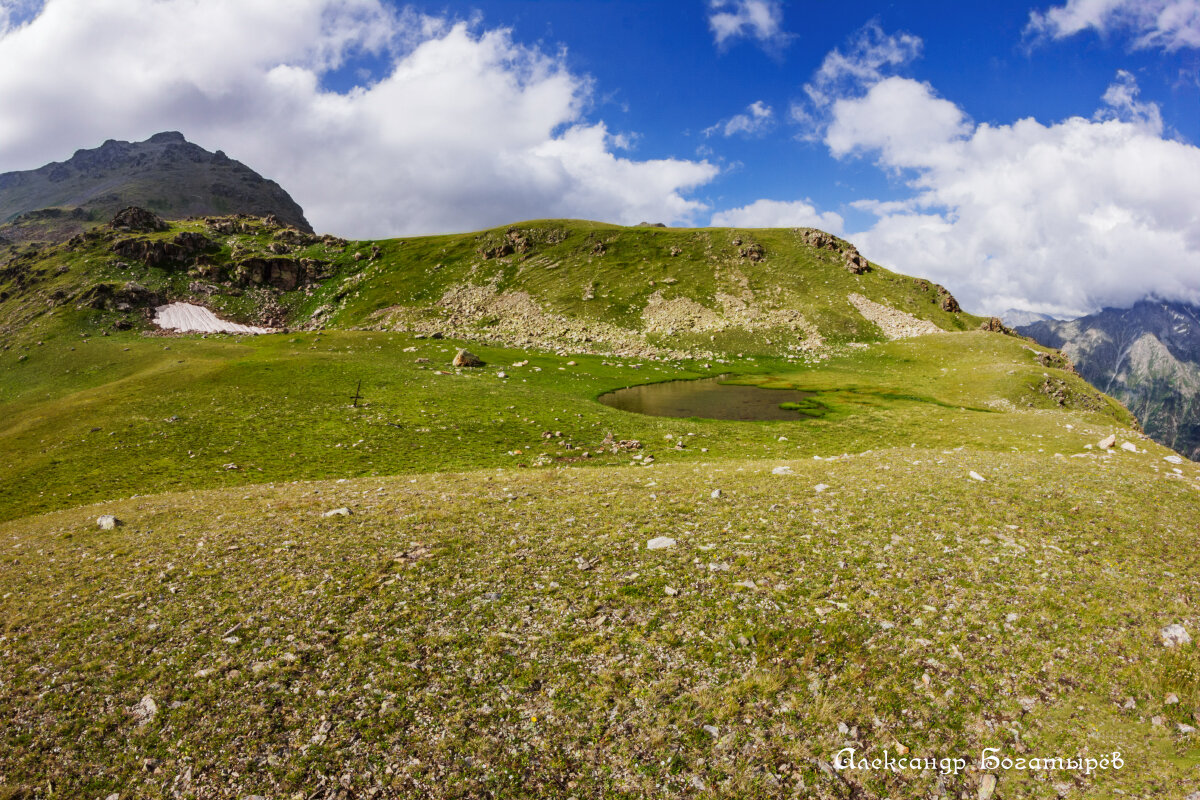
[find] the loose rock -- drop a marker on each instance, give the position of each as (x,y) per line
(107,522)
(660,543)
(1174,636)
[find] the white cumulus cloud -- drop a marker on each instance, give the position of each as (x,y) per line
(1064,217)
(463,127)
(761,20)
(757,118)
(779,214)
(1165,24)
(869,56)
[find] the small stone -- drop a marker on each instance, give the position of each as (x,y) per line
(698,784)
(145,710)
(1156,721)
(107,522)
(715,493)
(1107,442)
(901,749)
(782,471)
(1027,703)
(1186,730)
(820,487)
(660,543)
(1130,446)
(975,476)
(713,731)
(987,786)
(1130,704)
(337,512)
(747,584)
(1174,636)
(1173,459)
(671,591)
(1171,699)
(501,374)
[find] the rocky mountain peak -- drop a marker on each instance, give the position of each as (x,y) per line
(165,174)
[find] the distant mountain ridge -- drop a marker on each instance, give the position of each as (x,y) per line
(166,174)
(1147,356)
(1015,317)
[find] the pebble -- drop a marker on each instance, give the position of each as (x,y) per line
(1171,699)
(716,493)
(713,731)
(337,512)
(1173,459)
(660,543)
(1130,446)
(782,471)
(671,591)
(820,487)
(1107,441)
(975,476)
(107,522)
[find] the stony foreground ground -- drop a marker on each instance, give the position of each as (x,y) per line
(510,633)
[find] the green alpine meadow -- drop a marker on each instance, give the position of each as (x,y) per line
(407,543)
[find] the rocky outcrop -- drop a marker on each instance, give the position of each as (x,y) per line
(286,274)
(518,241)
(138,220)
(852,260)
(996,325)
(947,301)
(119,297)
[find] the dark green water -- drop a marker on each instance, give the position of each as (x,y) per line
(709,398)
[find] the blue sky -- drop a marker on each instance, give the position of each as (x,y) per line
(1039,155)
(661,77)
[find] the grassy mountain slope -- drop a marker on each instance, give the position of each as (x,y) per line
(487,619)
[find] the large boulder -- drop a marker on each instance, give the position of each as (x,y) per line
(466,358)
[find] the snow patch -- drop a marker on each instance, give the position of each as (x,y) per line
(185,317)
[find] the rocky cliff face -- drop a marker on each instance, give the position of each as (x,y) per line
(166,174)
(1147,356)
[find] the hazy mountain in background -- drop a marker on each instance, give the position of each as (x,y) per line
(166,174)
(1147,356)
(1015,317)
